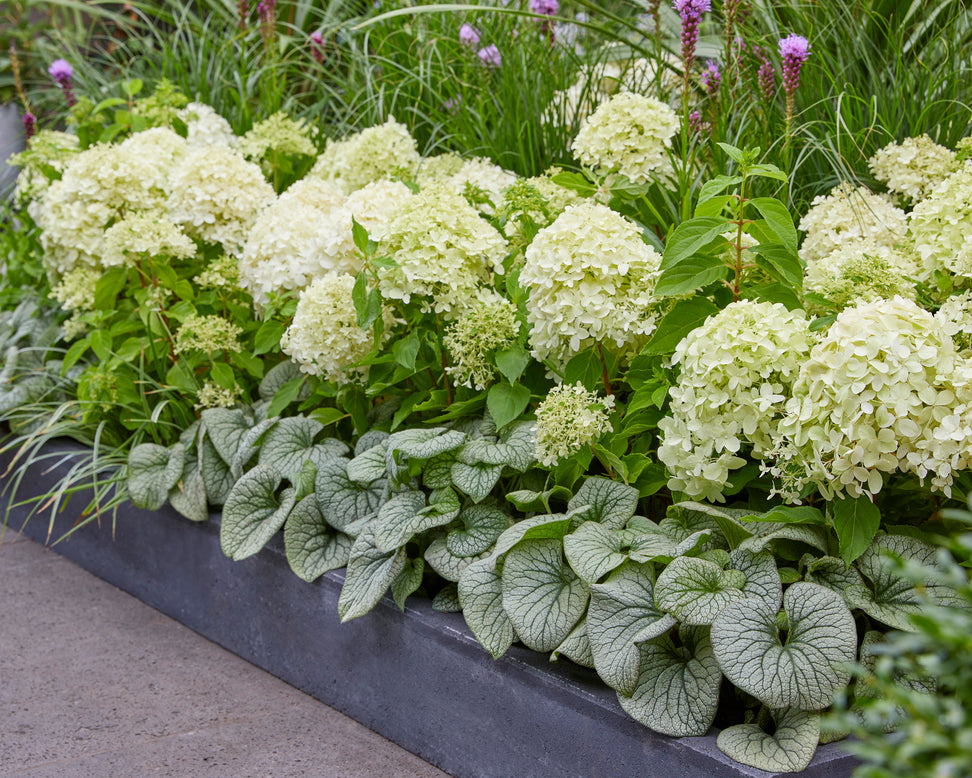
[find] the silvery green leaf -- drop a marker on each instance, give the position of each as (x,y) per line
(444,562)
(648,541)
(477,481)
(529,500)
(285,446)
(277,376)
(609,502)
(400,518)
(225,427)
(686,518)
(541,594)
(189,435)
(788,750)
(249,445)
(513,448)
(188,496)
(695,590)
(593,550)
(804,533)
(677,688)
(425,442)
(370,573)
(407,581)
(355,528)
(546,525)
(253,512)
(216,474)
(762,577)
(313,547)
(437,473)
(152,472)
(621,615)
(341,500)
(28,389)
(369,466)
(695,543)
(447,600)
(886,595)
(832,572)
(576,647)
(370,439)
(481,597)
(482,527)
(802,671)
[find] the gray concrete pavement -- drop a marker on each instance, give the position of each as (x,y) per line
(95,683)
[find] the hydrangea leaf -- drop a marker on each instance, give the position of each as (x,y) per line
(253,512)
(541,594)
(225,427)
(277,376)
(444,562)
(788,750)
(370,573)
(884,593)
(400,518)
(369,466)
(481,597)
(313,546)
(576,647)
(407,581)
(249,445)
(593,551)
(152,472)
(341,500)
(677,688)
(437,473)
(188,496)
(762,577)
(546,525)
(804,669)
(695,590)
(216,473)
(482,527)
(447,600)
(477,481)
(425,443)
(622,614)
(285,446)
(369,440)
(609,502)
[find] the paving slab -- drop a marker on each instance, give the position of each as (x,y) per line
(93,682)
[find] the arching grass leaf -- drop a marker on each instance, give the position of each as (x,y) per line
(541,594)
(609,502)
(253,512)
(152,472)
(801,670)
(788,750)
(695,590)
(370,573)
(482,527)
(481,597)
(343,501)
(313,547)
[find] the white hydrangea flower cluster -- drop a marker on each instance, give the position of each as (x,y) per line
(372,207)
(76,289)
(850,214)
(568,419)
(877,395)
(487,326)
(857,272)
(591,279)
(438,168)
(207,333)
(385,151)
(206,127)
(280,134)
(955,316)
(216,195)
(145,235)
(211,395)
(222,273)
(324,337)
(736,372)
(47,149)
(914,167)
(442,248)
(941,225)
(483,177)
(629,134)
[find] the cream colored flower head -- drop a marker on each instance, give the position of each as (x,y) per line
(385,151)
(860,271)
(591,279)
(279,134)
(206,127)
(48,149)
(488,325)
(914,167)
(143,236)
(483,180)
(569,419)
(941,225)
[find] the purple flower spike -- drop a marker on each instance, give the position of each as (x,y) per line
(766,75)
(317,47)
(794,49)
(691,12)
(468,35)
(30,124)
(545,7)
(62,72)
(711,78)
(490,56)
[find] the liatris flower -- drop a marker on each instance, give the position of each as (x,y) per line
(766,75)
(62,72)
(691,12)
(490,56)
(652,11)
(267,11)
(544,7)
(697,126)
(30,125)
(794,49)
(317,47)
(711,78)
(243,10)
(468,35)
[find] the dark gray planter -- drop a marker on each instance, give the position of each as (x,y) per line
(418,678)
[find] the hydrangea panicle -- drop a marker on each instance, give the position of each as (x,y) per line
(384,151)
(568,419)
(488,325)
(914,167)
(941,225)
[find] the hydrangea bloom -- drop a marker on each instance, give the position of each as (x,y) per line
(438,168)
(211,395)
(876,396)
(206,127)
(385,151)
(861,272)
(296,240)
(628,134)
(145,235)
(485,178)
(850,214)
(955,316)
(539,198)
(736,373)
(324,337)
(46,149)
(442,247)
(568,419)
(914,167)
(76,290)
(221,273)
(487,325)
(216,195)
(941,224)
(208,334)
(591,280)
(372,207)
(279,134)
